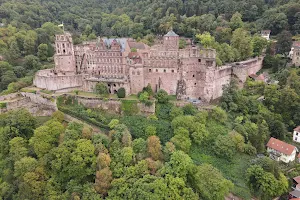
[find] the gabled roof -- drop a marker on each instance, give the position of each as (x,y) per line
(171,33)
(281,146)
(137,45)
(295,193)
(297,179)
(297,129)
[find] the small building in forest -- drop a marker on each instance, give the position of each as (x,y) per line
(296,134)
(281,151)
(266,34)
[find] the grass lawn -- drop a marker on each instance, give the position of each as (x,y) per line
(84,94)
(234,170)
(172,97)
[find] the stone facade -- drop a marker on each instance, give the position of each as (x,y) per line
(190,73)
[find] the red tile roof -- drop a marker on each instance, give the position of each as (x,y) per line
(297,129)
(296,44)
(281,146)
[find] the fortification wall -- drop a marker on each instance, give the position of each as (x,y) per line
(9,96)
(112,105)
(243,69)
(47,80)
(36,104)
(222,77)
(165,78)
(20,103)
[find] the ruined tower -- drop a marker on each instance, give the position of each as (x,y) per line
(64,55)
(171,41)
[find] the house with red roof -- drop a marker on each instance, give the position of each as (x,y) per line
(281,151)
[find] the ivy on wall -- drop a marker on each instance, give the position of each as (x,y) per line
(129,107)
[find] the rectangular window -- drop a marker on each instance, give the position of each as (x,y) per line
(165,70)
(172,70)
(156,70)
(150,70)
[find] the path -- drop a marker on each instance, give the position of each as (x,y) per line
(69,118)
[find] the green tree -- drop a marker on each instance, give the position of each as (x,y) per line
(206,40)
(284,42)
(43,52)
(162,96)
(259,44)
(209,182)
(154,147)
(181,140)
(121,93)
(242,42)
(102,89)
(46,137)
(236,21)
(17,148)
(224,147)
(32,62)
(30,42)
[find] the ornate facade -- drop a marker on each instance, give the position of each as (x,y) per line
(190,73)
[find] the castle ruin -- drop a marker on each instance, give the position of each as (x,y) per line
(189,73)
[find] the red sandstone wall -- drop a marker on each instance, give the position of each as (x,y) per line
(52,82)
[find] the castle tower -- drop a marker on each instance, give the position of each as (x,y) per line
(64,56)
(296,56)
(171,41)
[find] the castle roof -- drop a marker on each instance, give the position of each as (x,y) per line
(137,45)
(281,146)
(171,33)
(121,41)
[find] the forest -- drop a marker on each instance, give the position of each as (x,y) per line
(232,27)
(176,153)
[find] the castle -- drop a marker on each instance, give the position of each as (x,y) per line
(189,73)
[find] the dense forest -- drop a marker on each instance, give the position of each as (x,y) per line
(176,153)
(231,27)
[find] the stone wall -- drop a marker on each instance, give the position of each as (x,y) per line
(36,104)
(9,96)
(222,77)
(112,105)
(243,69)
(46,79)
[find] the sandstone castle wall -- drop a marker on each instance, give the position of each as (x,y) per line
(190,73)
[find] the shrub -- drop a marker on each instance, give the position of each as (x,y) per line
(121,93)
(102,89)
(129,107)
(162,96)
(2,105)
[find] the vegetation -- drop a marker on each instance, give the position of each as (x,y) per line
(176,153)
(121,93)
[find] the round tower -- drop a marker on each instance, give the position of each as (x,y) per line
(171,41)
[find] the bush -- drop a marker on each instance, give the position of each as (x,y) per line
(102,89)
(162,96)
(129,107)
(2,105)
(121,93)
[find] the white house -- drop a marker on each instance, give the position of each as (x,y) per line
(296,134)
(266,34)
(280,150)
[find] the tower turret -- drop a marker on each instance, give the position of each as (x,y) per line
(171,41)
(64,55)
